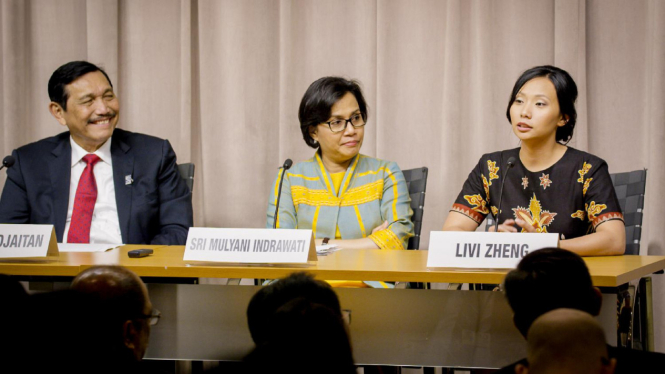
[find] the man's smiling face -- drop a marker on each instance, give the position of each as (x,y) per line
(92,110)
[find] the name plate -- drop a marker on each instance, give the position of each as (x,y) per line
(484,250)
(250,245)
(17,241)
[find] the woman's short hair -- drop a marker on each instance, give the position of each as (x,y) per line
(318,100)
(566,93)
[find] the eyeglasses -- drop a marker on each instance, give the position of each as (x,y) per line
(153,318)
(339,125)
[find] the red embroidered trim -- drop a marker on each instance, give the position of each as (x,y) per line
(606,217)
(463,209)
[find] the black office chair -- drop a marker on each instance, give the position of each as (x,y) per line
(630,188)
(634,302)
(187,173)
(416,183)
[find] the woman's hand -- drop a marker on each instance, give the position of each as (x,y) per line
(609,239)
(508,226)
(380,227)
(364,243)
(525,225)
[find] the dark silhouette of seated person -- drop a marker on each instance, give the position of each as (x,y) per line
(124,313)
(12,300)
(58,333)
(566,341)
(297,325)
(553,278)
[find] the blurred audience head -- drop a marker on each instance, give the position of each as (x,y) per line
(125,312)
(269,299)
(549,279)
(566,341)
(297,326)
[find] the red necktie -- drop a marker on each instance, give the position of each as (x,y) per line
(84,203)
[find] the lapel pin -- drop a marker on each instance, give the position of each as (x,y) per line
(128,180)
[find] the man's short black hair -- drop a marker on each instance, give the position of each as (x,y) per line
(549,279)
(566,93)
(318,100)
(65,75)
(265,303)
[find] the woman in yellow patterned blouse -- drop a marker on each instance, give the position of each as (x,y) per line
(551,187)
(352,200)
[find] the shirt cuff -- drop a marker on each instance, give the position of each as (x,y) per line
(461,209)
(606,217)
(386,239)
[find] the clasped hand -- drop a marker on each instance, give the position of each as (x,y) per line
(509,226)
(380,227)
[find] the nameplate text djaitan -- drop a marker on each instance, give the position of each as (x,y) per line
(17,241)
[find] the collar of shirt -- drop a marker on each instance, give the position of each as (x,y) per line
(104,152)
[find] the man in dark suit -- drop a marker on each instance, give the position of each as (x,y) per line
(96,183)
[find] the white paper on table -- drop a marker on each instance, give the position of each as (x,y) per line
(323,250)
(85,247)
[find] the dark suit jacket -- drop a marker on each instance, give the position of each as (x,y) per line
(156,208)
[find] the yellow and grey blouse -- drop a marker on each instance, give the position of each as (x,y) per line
(372,191)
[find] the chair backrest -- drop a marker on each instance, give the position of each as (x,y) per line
(630,188)
(416,182)
(187,173)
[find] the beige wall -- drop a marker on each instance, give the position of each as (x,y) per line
(222,81)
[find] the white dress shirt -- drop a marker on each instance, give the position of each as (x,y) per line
(105,226)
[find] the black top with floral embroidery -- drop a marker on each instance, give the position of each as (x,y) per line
(571,197)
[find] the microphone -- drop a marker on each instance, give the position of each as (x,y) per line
(285,167)
(511,163)
(8,162)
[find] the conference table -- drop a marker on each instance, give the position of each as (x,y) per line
(415,327)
